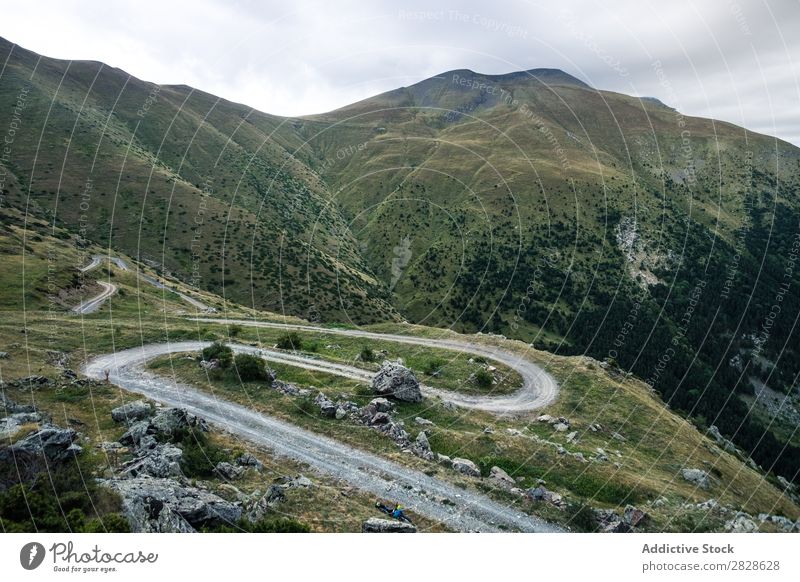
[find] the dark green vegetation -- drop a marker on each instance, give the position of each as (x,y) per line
(250,368)
(57,498)
(220,352)
(526,204)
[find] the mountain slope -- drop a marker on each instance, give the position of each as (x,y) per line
(586,221)
(200,186)
(528,204)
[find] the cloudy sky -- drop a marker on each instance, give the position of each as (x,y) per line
(735,60)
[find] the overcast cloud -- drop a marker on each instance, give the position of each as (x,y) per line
(727,59)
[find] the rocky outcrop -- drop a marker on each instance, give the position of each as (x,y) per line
(398,382)
(741,523)
(55,443)
(378,525)
(696,476)
(131,411)
(164,505)
(163,460)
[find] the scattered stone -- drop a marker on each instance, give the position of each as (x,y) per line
(209,364)
(741,523)
(382,405)
(444,460)
(3,355)
(561,427)
(572,437)
(617,436)
(537,493)
(300,481)
(501,477)
(713,431)
(488,430)
(423,421)
(422,448)
(696,476)
(397,381)
(380,418)
(544,418)
(633,516)
(340,413)
(249,460)
(378,525)
(131,411)
(228,471)
(466,467)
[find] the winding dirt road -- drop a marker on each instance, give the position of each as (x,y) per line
(538,387)
(96,302)
(93,304)
(459,509)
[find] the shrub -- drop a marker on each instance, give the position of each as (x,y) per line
(433,366)
(250,367)
(220,352)
(200,456)
(55,499)
(581,517)
(290,341)
(234,330)
(265,525)
(483,378)
(366,354)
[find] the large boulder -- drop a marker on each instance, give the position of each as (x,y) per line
(397,381)
(696,476)
(466,467)
(131,411)
(378,525)
(500,477)
(164,505)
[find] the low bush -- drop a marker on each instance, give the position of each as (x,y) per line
(250,368)
(220,352)
(200,455)
(483,378)
(290,341)
(366,354)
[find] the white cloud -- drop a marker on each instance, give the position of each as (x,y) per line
(729,59)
